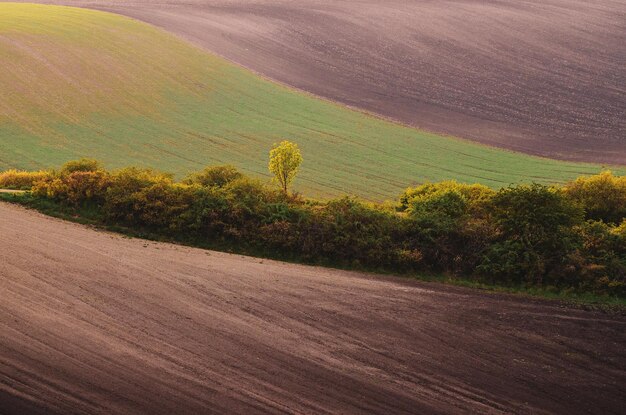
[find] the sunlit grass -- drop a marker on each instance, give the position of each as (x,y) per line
(80,83)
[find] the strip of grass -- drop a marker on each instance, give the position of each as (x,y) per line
(82,83)
(91,216)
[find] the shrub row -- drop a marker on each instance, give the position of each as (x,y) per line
(571,237)
(21,180)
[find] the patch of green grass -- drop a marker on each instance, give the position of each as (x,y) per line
(82,83)
(92,216)
(588,301)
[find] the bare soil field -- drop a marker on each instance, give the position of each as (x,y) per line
(95,323)
(545,77)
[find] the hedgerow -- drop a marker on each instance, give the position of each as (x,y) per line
(21,180)
(566,238)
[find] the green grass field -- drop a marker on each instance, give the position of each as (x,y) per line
(81,83)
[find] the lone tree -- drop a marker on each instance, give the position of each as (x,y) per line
(285,159)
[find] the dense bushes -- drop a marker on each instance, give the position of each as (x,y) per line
(603,197)
(535,234)
(572,237)
(21,180)
(343,230)
(447,223)
(77,183)
(218,176)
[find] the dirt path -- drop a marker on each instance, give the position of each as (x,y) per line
(544,77)
(96,323)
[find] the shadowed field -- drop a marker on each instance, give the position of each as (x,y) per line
(544,77)
(93,322)
(78,83)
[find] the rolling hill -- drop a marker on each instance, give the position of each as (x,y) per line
(544,77)
(79,82)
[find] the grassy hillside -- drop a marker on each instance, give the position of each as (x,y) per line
(78,83)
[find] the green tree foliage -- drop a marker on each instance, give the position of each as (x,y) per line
(128,193)
(350,229)
(76,183)
(600,263)
(446,223)
(218,176)
(285,160)
(602,196)
(474,195)
(82,165)
(23,180)
(535,225)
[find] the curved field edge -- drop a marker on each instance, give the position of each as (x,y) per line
(89,83)
(542,77)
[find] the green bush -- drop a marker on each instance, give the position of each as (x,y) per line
(207,216)
(603,197)
(162,206)
(76,183)
(82,165)
(447,225)
(248,199)
(351,232)
(123,194)
(535,234)
(21,180)
(476,196)
(217,176)
(600,263)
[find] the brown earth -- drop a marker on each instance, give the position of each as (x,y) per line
(544,77)
(92,322)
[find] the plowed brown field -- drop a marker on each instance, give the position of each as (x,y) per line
(95,323)
(544,77)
